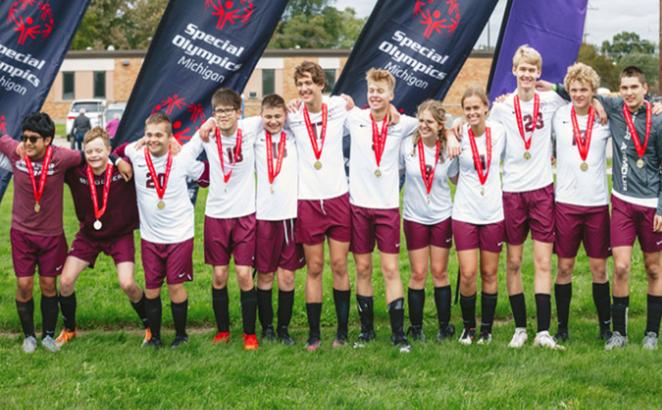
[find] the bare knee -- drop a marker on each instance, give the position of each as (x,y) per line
(128,285)
(390,273)
(653,270)
(47,286)
(621,270)
(315,268)
(564,274)
(286,280)
(440,275)
(245,279)
(265,280)
(417,278)
(363,267)
(339,266)
(67,285)
(220,278)
(489,279)
(514,264)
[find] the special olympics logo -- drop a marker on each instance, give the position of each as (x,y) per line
(437,15)
(31,19)
(230,12)
(176,107)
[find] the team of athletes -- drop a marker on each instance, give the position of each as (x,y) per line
(278,191)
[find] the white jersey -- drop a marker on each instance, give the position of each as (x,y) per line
(282,202)
(519,174)
(416,206)
(469,205)
(5,164)
(574,186)
(365,188)
(174,223)
(236,198)
(330,181)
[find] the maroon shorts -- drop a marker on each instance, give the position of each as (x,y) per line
(576,224)
(529,210)
(420,236)
(488,237)
(121,249)
(170,261)
(630,221)
(276,247)
(28,251)
(369,224)
(319,218)
(230,236)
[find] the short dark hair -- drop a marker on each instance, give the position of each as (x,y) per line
(159,117)
(633,71)
(273,101)
(226,96)
(39,122)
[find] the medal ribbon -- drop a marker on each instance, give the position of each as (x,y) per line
(237,153)
(38,193)
(270,156)
(641,149)
(428,179)
(379,140)
(482,173)
(520,124)
(582,147)
(317,150)
(160,190)
(98,213)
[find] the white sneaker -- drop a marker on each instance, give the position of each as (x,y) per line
(467,337)
(29,344)
(544,339)
(616,341)
(50,344)
(519,338)
(650,341)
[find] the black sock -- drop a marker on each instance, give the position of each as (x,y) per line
(314,313)
(138,306)
(602,301)
(416,299)
(543,311)
(68,306)
(341,300)
(468,307)
(49,311)
(265,308)
(285,304)
(364,305)
(619,314)
(518,306)
(220,303)
(654,313)
(488,302)
(396,313)
(179,313)
(26,315)
(563,295)
(442,299)
(248,310)
(153,312)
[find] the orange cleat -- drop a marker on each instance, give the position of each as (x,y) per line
(221,337)
(250,342)
(65,337)
(148,336)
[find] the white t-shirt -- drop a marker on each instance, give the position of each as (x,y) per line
(236,198)
(174,223)
(365,188)
(5,164)
(416,206)
(330,181)
(519,174)
(574,186)
(282,202)
(469,205)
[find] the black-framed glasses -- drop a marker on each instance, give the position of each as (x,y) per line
(32,138)
(224,111)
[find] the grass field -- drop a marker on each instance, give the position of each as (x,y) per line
(106,368)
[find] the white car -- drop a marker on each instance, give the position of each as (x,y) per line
(94,109)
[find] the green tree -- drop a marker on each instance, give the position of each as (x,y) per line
(603,65)
(626,43)
(648,63)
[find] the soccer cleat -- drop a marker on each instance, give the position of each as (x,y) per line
(147,337)
(313,343)
(65,337)
(650,341)
(544,339)
(154,342)
(485,338)
(50,344)
(467,337)
(364,338)
(221,337)
(285,338)
(605,334)
(179,340)
(268,334)
(445,333)
(562,335)
(250,342)
(519,338)
(339,341)
(616,341)
(401,343)
(29,344)
(416,333)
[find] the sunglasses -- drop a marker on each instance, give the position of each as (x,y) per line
(33,139)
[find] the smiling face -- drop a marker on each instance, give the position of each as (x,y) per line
(380,95)
(428,127)
(273,119)
(309,91)
(35,144)
(158,138)
(226,117)
(96,154)
(633,91)
(475,110)
(581,94)
(526,74)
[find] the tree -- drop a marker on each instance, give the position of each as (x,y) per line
(625,43)
(648,63)
(603,65)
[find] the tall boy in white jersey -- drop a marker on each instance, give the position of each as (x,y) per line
(528,191)
(166,222)
(374,200)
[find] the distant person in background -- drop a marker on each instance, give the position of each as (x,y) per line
(111,127)
(81,126)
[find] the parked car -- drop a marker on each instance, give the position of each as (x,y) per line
(94,109)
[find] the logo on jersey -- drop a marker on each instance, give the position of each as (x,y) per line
(182,113)
(437,16)
(32,19)
(230,12)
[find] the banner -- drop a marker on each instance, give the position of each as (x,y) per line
(199,46)
(34,37)
(423,43)
(554,28)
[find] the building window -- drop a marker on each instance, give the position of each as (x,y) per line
(68,86)
(329,78)
(99,84)
(268,81)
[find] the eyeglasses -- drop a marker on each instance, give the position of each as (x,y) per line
(33,139)
(224,111)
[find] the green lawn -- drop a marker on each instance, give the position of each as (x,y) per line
(105,366)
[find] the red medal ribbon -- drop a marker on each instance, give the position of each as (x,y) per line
(160,190)
(317,150)
(98,213)
(428,179)
(237,153)
(379,140)
(482,173)
(270,156)
(641,149)
(38,193)
(520,124)
(583,147)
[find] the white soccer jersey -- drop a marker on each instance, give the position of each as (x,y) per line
(236,198)
(416,206)
(469,205)
(175,222)
(574,186)
(282,202)
(519,174)
(330,181)
(365,188)
(5,164)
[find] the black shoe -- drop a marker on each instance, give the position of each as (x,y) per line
(605,333)
(268,334)
(416,333)
(179,340)
(401,343)
(285,338)
(364,338)
(154,342)
(446,333)
(562,335)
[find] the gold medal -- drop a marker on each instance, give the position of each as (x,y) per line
(161,204)
(97,225)
(583,166)
(527,155)
(640,163)
(37,207)
(378,173)
(317,165)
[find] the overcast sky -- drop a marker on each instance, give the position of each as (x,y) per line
(605,18)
